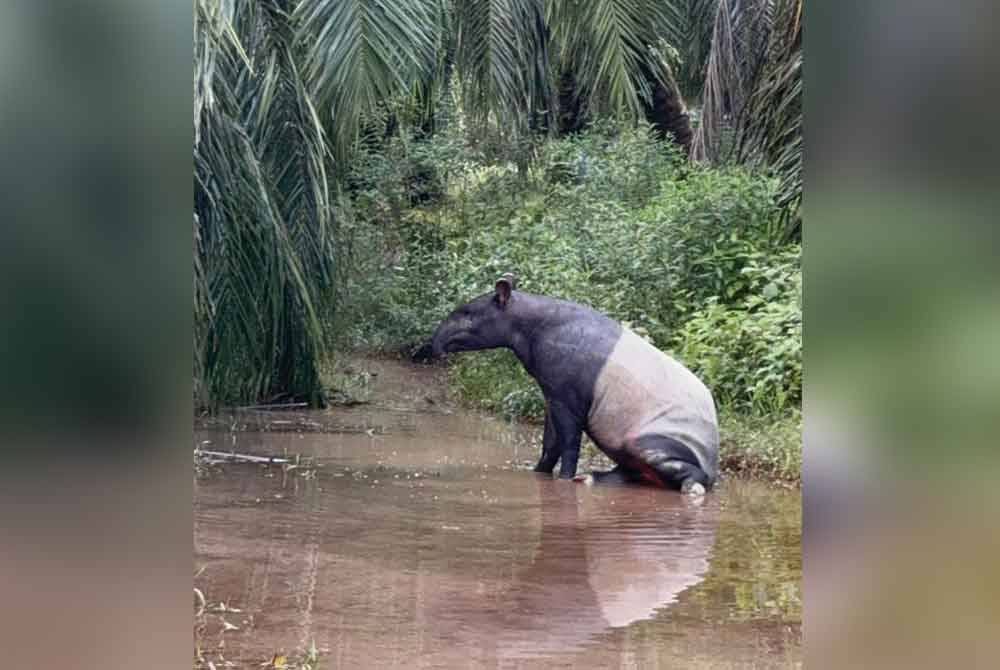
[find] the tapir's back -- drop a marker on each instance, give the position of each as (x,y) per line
(642,391)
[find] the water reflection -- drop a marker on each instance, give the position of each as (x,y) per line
(486,568)
(604,559)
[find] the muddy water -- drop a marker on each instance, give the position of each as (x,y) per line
(417,537)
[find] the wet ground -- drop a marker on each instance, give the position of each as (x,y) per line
(411,534)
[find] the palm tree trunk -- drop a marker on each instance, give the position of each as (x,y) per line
(667,111)
(572,109)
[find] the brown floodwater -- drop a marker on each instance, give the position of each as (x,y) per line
(414,535)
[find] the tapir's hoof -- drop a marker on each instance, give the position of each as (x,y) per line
(692,488)
(587,479)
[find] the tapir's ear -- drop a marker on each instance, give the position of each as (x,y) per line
(505,286)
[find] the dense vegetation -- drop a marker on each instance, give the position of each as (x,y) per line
(693,258)
(362,167)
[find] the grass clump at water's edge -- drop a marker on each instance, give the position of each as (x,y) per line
(762,447)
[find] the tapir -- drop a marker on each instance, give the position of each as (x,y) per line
(651,415)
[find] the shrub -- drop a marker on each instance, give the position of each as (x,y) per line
(496,381)
(607,162)
(750,354)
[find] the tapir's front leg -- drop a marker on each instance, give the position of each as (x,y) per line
(569,432)
(561,442)
(550,454)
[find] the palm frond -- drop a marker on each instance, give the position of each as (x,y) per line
(501,57)
(362,52)
(619,57)
(752,102)
(770,129)
(263,230)
(689,31)
(605,43)
(723,88)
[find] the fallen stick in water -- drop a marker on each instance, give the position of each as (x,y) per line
(242,457)
(277,405)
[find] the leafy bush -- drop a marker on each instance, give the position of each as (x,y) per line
(695,238)
(496,381)
(608,163)
(750,353)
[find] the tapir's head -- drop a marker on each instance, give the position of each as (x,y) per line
(483,323)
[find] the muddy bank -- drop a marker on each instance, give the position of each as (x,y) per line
(407,533)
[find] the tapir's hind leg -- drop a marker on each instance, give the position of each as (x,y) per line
(673,463)
(620,475)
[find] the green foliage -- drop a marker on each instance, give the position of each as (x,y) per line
(606,44)
(696,238)
(690,36)
(502,57)
(496,381)
(762,447)
(750,352)
(752,97)
(263,233)
(608,162)
(363,53)
(286,98)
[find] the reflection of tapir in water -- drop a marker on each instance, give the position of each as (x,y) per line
(645,410)
(598,566)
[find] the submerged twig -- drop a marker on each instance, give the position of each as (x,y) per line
(201,602)
(243,457)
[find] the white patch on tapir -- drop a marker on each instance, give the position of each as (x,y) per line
(642,391)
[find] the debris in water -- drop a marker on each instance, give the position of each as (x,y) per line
(223,607)
(240,457)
